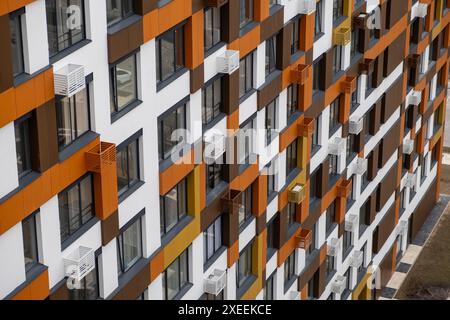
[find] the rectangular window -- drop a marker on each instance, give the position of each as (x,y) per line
(76,206)
(289,267)
(271,236)
(15,25)
(338,9)
(30,245)
(117,10)
(212,34)
(214,175)
(176,276)
(347,242)
(245,12)
(269,288)
(72,116)
(129,247)
(169,53)
(271,55)
(354,47)
(330,216)
(170,122)
(333,163)
(245,209)
(270,184)
(271,121)
(317,72)
(364,216)
(315,136)
(22,128)
(123,79)
(211,100)
(334,115)
(244,266)
(65,24)
(311,289)
(337,59)
(246,143)
(292,99)
(291,158)
(128,166)
(330,261)
(291,213)
(318,27)
(313,186)
(173,207)
(212,239)
(295,43)
(246,74)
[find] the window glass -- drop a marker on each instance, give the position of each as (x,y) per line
(129,246)
(30,247)
(212,27)
(174,120)
(124,84)
(173,207)
(117,10)
(127,166)
(23,145)
(15,24)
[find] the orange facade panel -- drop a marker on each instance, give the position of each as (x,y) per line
(38,289)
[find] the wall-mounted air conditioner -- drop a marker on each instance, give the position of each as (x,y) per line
(216,282)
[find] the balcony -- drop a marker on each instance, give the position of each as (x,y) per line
(101,160)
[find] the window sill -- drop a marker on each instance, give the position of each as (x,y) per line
(119,114)
(161,85)
(213,122)
(245,286)
(288,284)
(77,234)
(183,291)
(338,21)
(246,95)
(318,36)
(216,192)
(247,28)
(292,229)
(214,258)
(297,55)
(291,175)
(76,145)
(270,253)
(167,237)
(272,195)
(24,77)
(128,275)
(334,129)
(246,223)
(64,53)
(214,48)
(123,24)
(30,276)
(331,229)
(124,195)
(165,164)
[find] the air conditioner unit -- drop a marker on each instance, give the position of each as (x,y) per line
(216,282)
(307,6)
(337,147)
(79,263)
(402,227)
(410,180)
(361,166)
(355,125)
(297,194)
(415,98)
(421,10)
(214,146)
(351,222)
(339,285)
(342,36)
(408,146)
(293,295)
(357,259)
(334,245)
(228,62)
(69,80)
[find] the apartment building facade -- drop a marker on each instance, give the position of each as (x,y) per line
(97,200)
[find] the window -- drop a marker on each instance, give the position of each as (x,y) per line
(270,183)
(246,75)
(176,276)
(364,215)
(329,266)
(354,47)
(169,53)
(15,25)
(173,207)
(211,297)
(128,166)
(212,27)
(271,55)
(312,246)
(244,266)
(291,158)
(311,289)
(212,239)
(175,119)
(289,267)
(76,206)
(30,245)
(350,147)
(291,212)
(214,175)
(338,9)
(246,143)
(292,100)
(347,241)
(330,217)
(313,186)
(271,237)
(333,165)
(347,277)
(334,115)
(337,59)
(117,10)
(123,79)
(318,27)
(317,72)
(269,288)
(316,133)
(22,129)
(368,122)
(211,100)
(89,288)
(295,43)
(129,246)
(245,12)
(271,121)
(245,210)
(72,116)
(65,24)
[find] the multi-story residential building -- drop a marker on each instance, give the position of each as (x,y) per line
(350,97)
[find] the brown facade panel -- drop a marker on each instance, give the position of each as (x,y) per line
(47,136)
(125,41)
(6,71)
(387,187)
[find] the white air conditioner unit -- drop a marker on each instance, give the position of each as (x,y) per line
(410,180)
(307,6)
(351,222)
(361,166)
(69,80)
(408,146)
(402,227)
(214,145)
(339,285)
(357,259)
(293,295)
(334,245)
(415,98)
(216,282)
(337,147)
(79,263)
(355,125)
(421,10)
(228,62)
